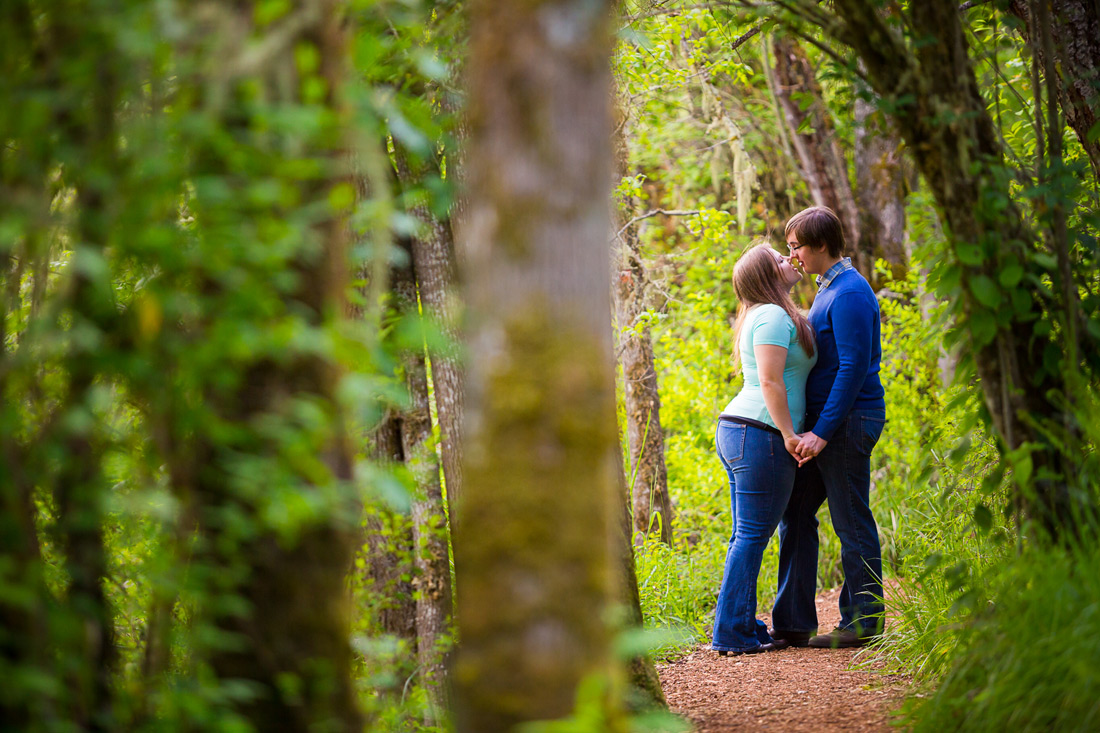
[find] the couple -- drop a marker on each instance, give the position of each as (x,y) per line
(818,375)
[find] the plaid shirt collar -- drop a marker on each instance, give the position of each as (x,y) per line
(824,281)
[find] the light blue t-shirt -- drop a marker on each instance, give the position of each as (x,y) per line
(770,324)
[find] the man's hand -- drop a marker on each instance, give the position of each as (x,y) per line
(809,446)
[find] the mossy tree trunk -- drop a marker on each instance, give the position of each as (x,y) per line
(647,493)
(992,245)
(644,680)
(436,273)
(534,547)
(432,580)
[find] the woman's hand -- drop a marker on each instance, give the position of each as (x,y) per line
(791,443)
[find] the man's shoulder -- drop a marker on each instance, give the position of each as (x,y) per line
(852,282)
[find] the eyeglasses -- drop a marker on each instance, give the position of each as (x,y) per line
(792,250)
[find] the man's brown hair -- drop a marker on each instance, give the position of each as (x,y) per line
(817,227)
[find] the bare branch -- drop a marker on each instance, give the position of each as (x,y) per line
(745,37)
(656,212)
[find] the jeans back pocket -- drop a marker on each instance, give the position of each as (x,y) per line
(870,430)
(731,441)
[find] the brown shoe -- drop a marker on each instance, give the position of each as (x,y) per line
(793,638)
(839,639)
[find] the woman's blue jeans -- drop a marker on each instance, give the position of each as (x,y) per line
(842,474)
(761,474)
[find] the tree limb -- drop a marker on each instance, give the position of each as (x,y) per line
(655,212)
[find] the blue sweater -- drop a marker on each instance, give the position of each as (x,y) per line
(846,324)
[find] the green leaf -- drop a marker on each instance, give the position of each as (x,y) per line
(1094,133)
(983,327)
(1021,302)
(970,253)
(986,291)
(1011,275)
(983,518)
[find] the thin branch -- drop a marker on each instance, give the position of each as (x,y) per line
(747,36)
(655,212)
(972,4)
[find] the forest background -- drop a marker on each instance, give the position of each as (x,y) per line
(261,259)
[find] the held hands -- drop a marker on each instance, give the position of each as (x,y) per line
(803,447)
(809,446)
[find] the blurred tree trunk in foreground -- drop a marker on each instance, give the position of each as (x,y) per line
(534,549)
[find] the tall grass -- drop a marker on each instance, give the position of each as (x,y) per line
(1026,657)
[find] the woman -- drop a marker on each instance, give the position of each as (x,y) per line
(757,435)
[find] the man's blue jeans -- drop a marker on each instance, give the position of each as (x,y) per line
(761,475)
(841,473)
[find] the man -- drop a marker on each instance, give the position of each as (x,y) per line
(845,415)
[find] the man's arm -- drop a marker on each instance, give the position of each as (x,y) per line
(853,327)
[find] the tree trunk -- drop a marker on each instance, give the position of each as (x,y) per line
(648,485)
(646,683)
(389,545)
(880,187)
(1076,35)
(433,257)
(823,165)
(534,548)
(429,522)
(960,158)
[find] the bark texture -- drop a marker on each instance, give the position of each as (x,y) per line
(881,173)
(652,507)
(1075,30)
(436,274)
(649,489)
(534,550)
(644,681)
(814,140)
(432,581)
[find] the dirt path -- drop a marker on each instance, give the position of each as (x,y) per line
(788,690)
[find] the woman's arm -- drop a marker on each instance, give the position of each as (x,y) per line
(770,361)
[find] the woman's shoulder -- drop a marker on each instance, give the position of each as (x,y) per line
(769,313)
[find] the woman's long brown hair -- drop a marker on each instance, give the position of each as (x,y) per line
(756,281)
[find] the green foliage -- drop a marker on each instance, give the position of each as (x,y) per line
(1023,659)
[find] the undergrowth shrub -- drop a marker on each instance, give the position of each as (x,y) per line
(1025,660)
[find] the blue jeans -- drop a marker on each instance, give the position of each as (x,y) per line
(841,473)
(761,474)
